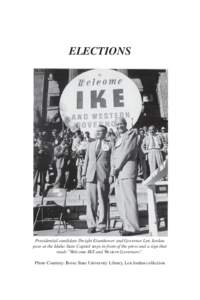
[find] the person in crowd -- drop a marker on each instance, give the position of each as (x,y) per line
(72,180)
(44,135)
(142,157)
(80,155)
(96,172)
(157,131)
(65,135)
(37,137)
(152,145)
(42,159)
(145,128)
(69,135)
(164,138)
(61,135)
(55,138)
(62,154)
(76,140)
(87,138)
(124,169)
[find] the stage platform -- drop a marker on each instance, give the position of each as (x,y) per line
(75,208)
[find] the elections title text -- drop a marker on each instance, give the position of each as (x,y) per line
(99,50)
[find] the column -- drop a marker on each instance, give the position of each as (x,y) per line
(72,74)
(162,92)
(40,96)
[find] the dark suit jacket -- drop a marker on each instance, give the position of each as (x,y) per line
(62,154)
(97,167)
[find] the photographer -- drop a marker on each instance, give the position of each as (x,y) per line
(42,160)
(62,154)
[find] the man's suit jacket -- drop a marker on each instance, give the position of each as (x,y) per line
(97,167)
(124,155)
(147,142)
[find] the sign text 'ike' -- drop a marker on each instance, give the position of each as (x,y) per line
(99,97)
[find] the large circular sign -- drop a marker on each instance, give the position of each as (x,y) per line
(99,97)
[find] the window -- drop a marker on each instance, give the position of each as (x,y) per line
(54,101)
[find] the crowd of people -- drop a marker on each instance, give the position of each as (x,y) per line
(59,155)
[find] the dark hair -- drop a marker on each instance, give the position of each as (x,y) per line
(153,127)
(78,131)
(105,128)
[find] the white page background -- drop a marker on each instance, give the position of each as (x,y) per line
(38,34)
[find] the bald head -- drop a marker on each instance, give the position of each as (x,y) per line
(120,120)
(121,125)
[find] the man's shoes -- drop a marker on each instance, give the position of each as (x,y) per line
(79,187)
(128,233)
(102,230)
(91,230)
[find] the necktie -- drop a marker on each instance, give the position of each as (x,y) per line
(98,149)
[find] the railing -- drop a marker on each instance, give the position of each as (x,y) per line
(150,182)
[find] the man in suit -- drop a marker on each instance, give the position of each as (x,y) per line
(96,171)
(124,169)
(152,145)
(164,137)
(142,158)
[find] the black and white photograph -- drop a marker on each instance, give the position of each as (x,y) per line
(96,98)
(100,145)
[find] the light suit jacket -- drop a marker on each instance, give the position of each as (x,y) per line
(124,155)
(97,167)
(146,143)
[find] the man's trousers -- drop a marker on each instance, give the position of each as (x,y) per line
(125,190)
(97,201)
(155,159)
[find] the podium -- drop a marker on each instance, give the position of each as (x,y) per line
(151,183)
